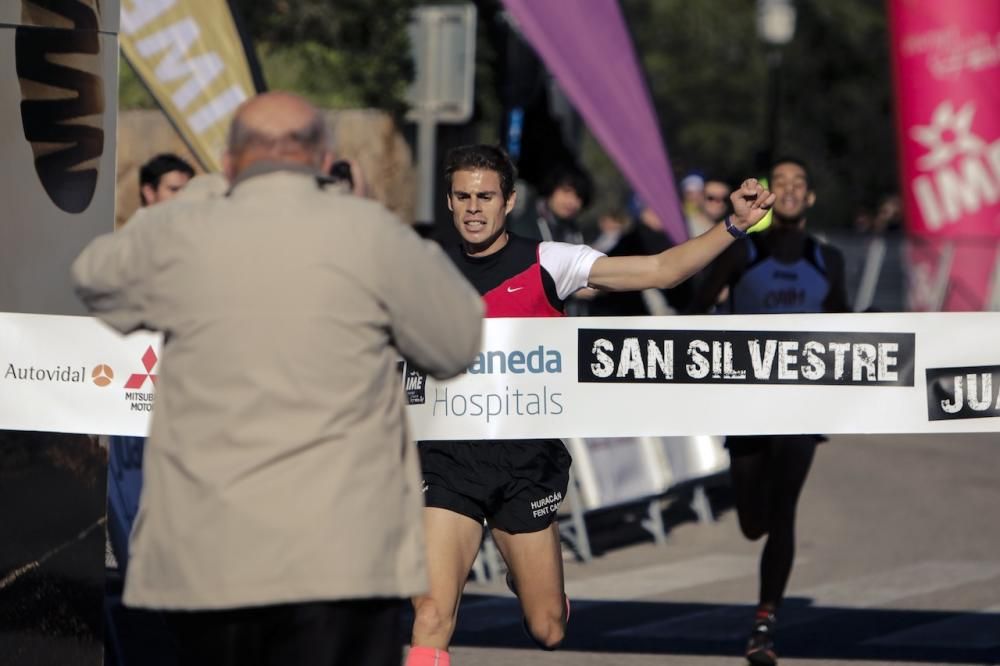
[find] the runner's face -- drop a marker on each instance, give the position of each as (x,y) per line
(478,209)
(791,189)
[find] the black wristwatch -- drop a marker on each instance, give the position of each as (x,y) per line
(734,230)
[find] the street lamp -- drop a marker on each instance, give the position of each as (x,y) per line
(775,27)
(776,21)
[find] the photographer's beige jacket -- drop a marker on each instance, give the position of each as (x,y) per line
(278,467)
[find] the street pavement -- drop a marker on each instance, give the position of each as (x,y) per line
(898,564)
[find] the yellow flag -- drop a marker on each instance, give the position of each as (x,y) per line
(194,60)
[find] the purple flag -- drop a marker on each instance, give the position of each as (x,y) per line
(587,48)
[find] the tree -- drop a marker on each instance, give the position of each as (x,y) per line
(348,53)
(705,66)
(708,77)
(344,54)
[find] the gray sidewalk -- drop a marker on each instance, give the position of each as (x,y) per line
(899,563)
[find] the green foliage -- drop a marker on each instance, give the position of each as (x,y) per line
(611,191)
(343,54)
(705,65)
(838,103)
(488,108)
(311,69)
(348,53)
(708,75)
(132,94)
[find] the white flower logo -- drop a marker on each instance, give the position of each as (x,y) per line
(948,135)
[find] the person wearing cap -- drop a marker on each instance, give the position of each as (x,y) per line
(692,196)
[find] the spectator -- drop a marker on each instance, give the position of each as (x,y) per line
(161,178)
(279,429)
(611,226)
(564,195)
(692,198)
(889,216)
(640,235)
(714,202)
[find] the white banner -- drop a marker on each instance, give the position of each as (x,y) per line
(587,377)
(74,374)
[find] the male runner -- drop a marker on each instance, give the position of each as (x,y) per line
(782,270)
(469,482)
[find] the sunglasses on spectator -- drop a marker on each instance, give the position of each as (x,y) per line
(715,197)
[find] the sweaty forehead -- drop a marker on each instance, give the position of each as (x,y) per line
(475,180)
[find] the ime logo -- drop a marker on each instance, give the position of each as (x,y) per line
(961,170)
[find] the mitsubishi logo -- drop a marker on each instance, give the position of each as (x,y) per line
(137,380)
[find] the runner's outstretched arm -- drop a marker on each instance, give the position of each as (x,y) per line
(673,266)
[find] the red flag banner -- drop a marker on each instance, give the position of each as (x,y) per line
(946,67)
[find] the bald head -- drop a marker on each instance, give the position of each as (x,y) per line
(276,127)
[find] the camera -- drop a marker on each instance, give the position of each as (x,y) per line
(340,172)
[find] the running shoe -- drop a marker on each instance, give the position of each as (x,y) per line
(760,647)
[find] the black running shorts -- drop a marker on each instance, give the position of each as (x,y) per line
(749,445)
(514,485)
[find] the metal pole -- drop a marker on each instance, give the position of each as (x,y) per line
(943,277)
(993,300)
(426,159)
(427,126)
(773,105)
(870,274)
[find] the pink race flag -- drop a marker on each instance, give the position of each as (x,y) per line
(946,71)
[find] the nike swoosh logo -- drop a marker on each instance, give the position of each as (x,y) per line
(511,290)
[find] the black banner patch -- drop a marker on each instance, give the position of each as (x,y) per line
(745,357)
(414,383)
(963,393)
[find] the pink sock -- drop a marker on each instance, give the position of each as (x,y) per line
(427,656)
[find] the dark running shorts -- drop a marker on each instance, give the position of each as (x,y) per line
(514,485)
(748,445)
